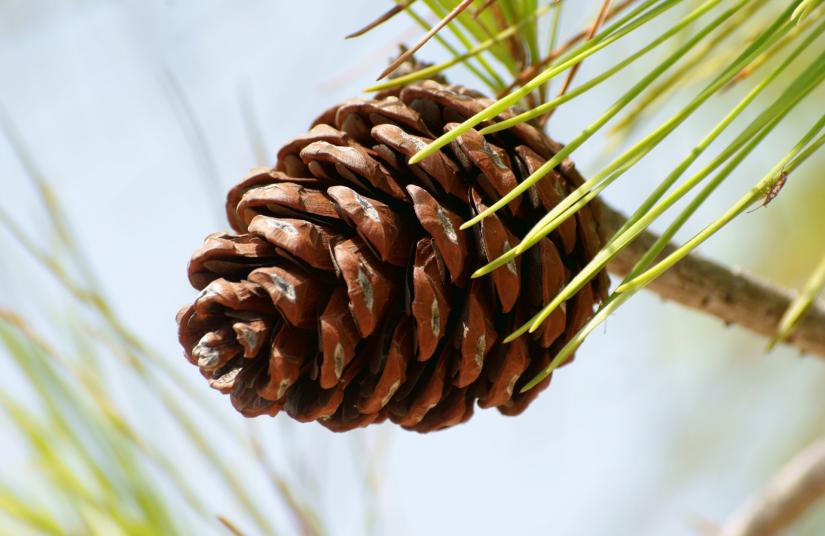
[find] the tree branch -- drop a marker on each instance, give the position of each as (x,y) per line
(730,294)
(796,487)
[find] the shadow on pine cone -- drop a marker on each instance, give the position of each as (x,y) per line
(345,297)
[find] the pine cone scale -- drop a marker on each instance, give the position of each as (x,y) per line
(345,297)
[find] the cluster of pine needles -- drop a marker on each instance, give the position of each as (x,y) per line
(775,48)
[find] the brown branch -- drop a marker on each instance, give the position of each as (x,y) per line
(796,487)
(730,294)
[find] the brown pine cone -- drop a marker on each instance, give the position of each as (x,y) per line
(345,297)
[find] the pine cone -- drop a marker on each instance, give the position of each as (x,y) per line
(345,297)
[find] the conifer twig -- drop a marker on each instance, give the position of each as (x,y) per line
(734,296)
(796,487)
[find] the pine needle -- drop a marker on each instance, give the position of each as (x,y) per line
(390,13)
(421,42)
(230,526)
(753,196)
(754,132)
(480,9)
(534,69)
(576,56)
(600,18)
(551,105)
(428,72)
(800,305)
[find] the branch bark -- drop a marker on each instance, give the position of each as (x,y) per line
(796,487)
(730,294)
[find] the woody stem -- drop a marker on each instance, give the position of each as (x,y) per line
(728,293)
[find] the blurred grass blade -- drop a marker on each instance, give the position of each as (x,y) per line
(305,518)
(81,422)
(804,9)
(110,419)
(24,513)
(196,138)
(91,298)
(87,291)
(230,526)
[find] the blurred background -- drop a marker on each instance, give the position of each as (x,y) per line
(125,121)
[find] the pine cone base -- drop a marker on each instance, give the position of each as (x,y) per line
(345,297)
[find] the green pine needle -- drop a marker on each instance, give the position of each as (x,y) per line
(753,196)
(570,95)
(756,131)
(599,42)
(432,70)
(800,304)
